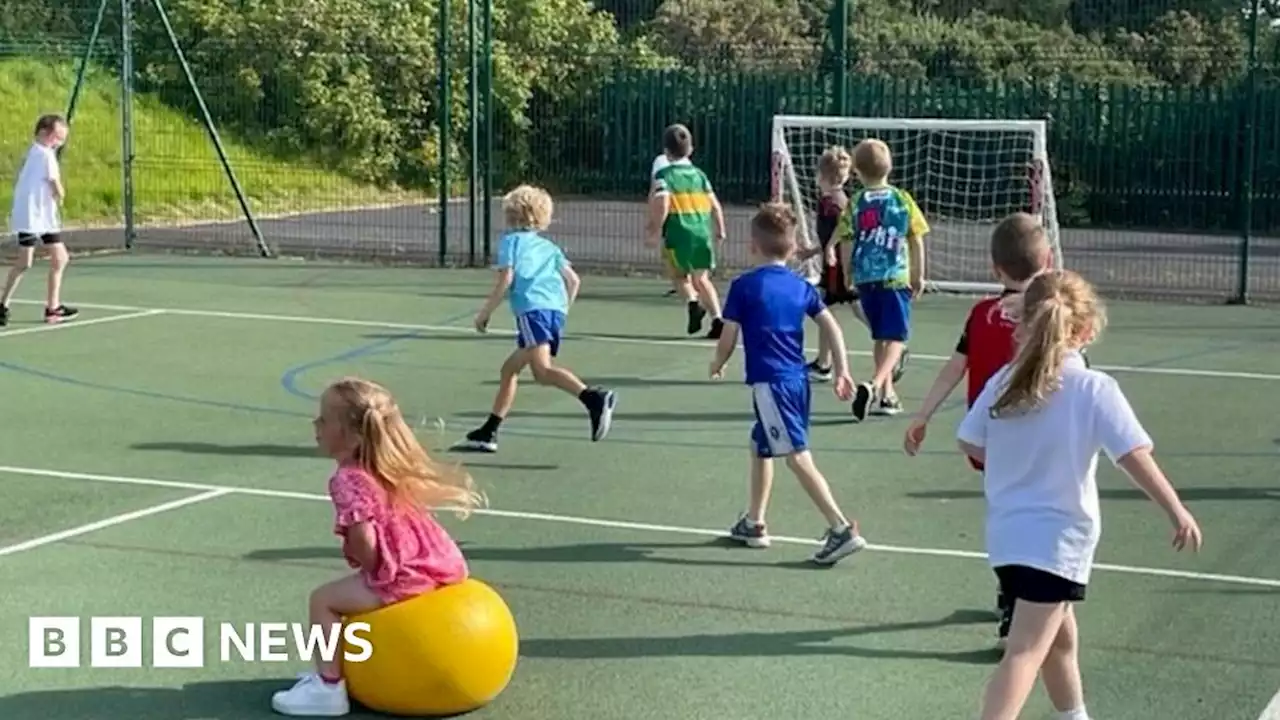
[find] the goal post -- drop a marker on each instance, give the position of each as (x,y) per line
(966,176)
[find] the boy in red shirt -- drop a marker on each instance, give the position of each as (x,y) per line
(1019,251)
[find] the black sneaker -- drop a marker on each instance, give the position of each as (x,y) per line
(670,293)
(478,440)
(717,329)
(600,404)
(887,406)
(696,315)
(4,316)
(60,313)
(862,397)
(837,545)
(901,368)
(753,535)
(819,373)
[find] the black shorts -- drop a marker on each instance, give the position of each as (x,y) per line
(834,285)
(30,239)
(1026,583)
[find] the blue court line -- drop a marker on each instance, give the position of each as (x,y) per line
(289,378)
(150,394)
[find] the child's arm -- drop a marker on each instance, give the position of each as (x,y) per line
(972,433)
(55,179)
(833,337)
(717,216)
(918,227)
(572,281)
(360,545)
(502,283)
(659,208)
(948,378)
(724,349)
(1127,443)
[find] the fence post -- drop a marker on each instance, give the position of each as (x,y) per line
(442,117)
(126,118)
(1250,161)
(473,124)
(487,161)
(839,28)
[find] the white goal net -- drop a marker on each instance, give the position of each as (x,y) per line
(966,176)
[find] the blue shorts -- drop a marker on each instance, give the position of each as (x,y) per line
(540,327)
(782,417)
(888,311)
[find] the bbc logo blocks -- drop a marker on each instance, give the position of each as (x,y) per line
(115,642)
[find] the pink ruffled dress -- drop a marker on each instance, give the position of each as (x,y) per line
(415,554)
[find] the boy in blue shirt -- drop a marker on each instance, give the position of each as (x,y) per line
(768,306)
(541,286)
(887,231)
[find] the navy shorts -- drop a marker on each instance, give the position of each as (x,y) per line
(540,327)
(782,417)
(888,311)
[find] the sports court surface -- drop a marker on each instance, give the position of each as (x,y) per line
(157,460)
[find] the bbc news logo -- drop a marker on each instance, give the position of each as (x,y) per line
(179,642)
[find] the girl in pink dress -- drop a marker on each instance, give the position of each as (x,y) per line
(383,491)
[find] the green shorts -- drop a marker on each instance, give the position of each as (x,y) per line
(691,257)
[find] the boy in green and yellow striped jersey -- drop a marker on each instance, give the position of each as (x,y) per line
(686,216)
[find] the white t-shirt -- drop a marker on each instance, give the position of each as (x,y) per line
(35,211)
(658,163)
(1040,478)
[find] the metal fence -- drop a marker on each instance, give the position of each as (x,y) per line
(352,133)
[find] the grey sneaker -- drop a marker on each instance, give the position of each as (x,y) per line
(837,545)
(753,535)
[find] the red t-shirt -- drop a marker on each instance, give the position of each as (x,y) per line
(988,345)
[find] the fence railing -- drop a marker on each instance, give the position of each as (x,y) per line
(1164,121)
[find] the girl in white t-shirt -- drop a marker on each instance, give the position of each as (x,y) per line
(1038,427)
(35,219)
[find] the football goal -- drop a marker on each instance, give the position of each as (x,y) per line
(966,176)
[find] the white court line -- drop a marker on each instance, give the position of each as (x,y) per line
(112,521)
(138,313)
(614,524)
(304,319)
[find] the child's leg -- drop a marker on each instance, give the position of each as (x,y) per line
(1061,671)
(544,330)
(323,694)
(707,292)
(751,529)
(1035,626)
(21,264)
(485,437)
(59,258)
(841,538)
(889,312)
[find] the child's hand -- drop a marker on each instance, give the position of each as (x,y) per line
(831,256)
(1186,531)
(917,287)
(651,240)
(716,370)
(844,387)
(482,321)
(914,436)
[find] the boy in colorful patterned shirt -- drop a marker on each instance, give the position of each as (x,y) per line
(682,210)
(887,231)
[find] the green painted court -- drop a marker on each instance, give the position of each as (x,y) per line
(158,460)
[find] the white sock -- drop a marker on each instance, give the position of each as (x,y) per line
(1077,714)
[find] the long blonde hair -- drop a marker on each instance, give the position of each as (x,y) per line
(390,453)
(1060,312)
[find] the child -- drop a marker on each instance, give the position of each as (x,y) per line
(542,285)
(383,491)
(1019,251)
(36,198)
(887,230)
(769,305)
(682,209)
(1038,427)
(834,166)
(673,273)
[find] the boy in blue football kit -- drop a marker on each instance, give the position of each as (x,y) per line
(541,285)
(768,306)
(887,230)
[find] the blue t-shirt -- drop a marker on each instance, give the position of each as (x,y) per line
(770,304)
(879,221)
(536,264)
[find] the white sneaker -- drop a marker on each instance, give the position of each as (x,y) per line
(312,697)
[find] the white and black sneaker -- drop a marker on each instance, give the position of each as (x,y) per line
(887,406)
(901,368)
(478,440)
(818,373)
(600,404)
(838,544)
(863,395)
(751,534)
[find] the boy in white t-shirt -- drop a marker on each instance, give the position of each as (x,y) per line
(673,273)
(35,218)
(1038,426)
